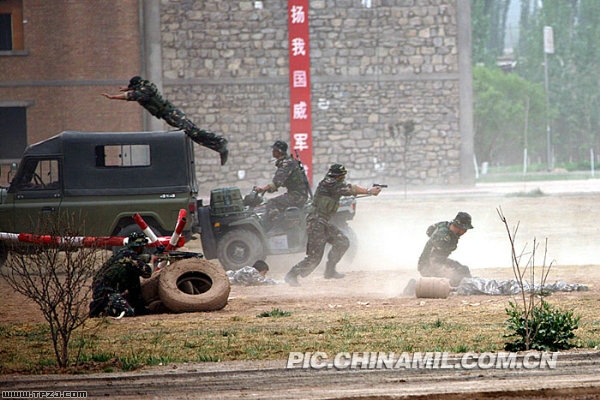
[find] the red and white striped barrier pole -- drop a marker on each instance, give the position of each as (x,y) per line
(81,241)
(181,219)
(145,228)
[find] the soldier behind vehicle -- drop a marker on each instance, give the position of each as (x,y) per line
(443,240)
(118,274)
(251,275)
(290,175)
(148,96)
(320,231)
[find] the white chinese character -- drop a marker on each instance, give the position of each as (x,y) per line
(299,79)
(300,141)
(298,47)
(297,14)
(300,110)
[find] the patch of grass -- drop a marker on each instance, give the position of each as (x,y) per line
(130,363)
(276,312)
(47,362)
(435,326)
(461,348)
(202,357)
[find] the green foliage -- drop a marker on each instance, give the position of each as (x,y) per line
(503,103)
(276,312)
(488,21)
(573,70)
(551,329)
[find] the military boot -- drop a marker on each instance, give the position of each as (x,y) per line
(331,273)
(292,279)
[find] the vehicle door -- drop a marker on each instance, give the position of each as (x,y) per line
(36,193)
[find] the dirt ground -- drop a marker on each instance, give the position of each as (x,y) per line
(391,230)
(391,233)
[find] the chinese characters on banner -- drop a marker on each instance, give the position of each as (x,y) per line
(300,114)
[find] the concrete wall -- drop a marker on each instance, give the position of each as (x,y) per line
(226,65)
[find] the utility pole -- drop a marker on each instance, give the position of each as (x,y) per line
(548,49)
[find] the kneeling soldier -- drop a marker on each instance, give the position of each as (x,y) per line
(119,274)
(443,240)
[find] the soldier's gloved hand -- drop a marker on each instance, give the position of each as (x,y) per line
(145,257)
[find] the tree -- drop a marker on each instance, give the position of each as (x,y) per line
(489,29)
(57,278)
(500,101)
(574,69)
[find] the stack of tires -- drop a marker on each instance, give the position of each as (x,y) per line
(187,285)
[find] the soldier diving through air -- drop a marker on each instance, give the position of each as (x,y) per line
(148,96)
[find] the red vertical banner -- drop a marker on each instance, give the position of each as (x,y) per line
(300,111)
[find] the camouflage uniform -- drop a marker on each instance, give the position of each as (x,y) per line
(434,259)
(148,96)
(120,273)
(248,276)
(320,232)
(289,175)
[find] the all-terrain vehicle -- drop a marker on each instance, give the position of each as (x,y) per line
(104,178)
(238,234)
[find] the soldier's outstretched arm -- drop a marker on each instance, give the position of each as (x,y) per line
(374,191)
(120,96)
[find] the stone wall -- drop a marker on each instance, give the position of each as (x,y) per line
(372,68)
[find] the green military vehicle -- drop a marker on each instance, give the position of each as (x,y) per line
(235,231)
(104,178)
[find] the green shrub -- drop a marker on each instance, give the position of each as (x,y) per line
(550,329)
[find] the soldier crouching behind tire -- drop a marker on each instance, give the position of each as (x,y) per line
(320,231)
(119,274)
(443,240)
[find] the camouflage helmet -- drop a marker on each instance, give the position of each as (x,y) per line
(136,239)
(135,82)
(337,170)
(280,146)
(462,220)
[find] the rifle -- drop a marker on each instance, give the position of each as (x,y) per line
(304,177)
(163,254)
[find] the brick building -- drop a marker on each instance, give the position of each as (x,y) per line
(374,65)
(55,60)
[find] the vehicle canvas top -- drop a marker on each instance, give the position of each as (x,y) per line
(112,163)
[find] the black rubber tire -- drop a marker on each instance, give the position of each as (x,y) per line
(150,288)
(129,229)
(193,275)
(3,254)
(238,248)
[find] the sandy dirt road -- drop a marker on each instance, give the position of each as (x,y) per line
(575,377)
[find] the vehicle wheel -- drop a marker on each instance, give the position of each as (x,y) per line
(128,230)
(193,285)
(150,288)
(3,253)
(238,248)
